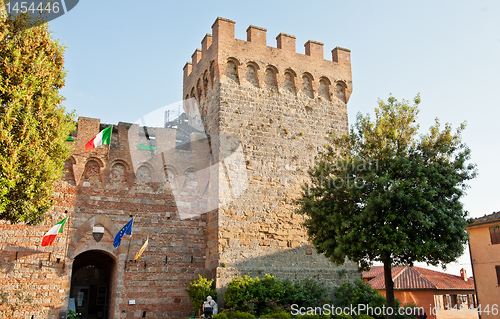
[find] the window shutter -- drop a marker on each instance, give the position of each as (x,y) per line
(495,234)
(497,268)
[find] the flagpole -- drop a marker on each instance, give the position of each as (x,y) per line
(67,235)
(128,250)
(110,135)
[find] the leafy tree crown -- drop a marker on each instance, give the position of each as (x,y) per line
(384,192)
(33,123)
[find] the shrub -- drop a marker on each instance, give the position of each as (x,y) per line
(363,316)
(342,316)
(219,316)
(239,314)
(313,317)
(72,314)
(271,295)
(198,291)
(281,314)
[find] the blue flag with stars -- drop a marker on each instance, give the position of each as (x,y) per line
(126,230)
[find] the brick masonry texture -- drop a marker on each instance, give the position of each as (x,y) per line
(277,104)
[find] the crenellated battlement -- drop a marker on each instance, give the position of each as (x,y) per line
(222,55)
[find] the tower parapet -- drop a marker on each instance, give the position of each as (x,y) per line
(223,45)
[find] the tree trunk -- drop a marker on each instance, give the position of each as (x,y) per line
(389,287)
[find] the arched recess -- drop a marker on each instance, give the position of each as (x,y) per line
(193,94)
(232,65)
(307,81)
(270,81)
(212,74)
(199,91)
(167,182)
(144,178)
(340,91)
(324,88)
(83,242)
(119,175)
(170,173)
(289,85)
(91,176)
(252,74)
(69,174)
(191,182)
(205,83)
(93,284)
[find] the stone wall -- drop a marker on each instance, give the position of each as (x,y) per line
(280,105)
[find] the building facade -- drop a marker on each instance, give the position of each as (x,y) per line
(214,199)
(442,295)
(484,244)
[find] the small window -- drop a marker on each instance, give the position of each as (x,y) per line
(495,234)
(498,274)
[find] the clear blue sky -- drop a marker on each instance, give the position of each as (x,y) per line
(125,58)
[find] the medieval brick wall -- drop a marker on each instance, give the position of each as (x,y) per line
(280,105)
(107,187)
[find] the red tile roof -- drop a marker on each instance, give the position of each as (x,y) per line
(408,278)
(373,272)
(487,218)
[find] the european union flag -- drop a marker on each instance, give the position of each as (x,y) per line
(126,230)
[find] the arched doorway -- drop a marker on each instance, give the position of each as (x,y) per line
(91,282)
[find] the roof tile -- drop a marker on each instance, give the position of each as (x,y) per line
(408,278)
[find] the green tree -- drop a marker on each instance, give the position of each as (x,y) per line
(33,123)
(385,193)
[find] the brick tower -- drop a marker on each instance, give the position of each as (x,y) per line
(280,105)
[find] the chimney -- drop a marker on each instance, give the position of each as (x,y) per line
(463,274)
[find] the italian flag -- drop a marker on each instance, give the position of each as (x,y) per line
(50,236)
(103,138)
